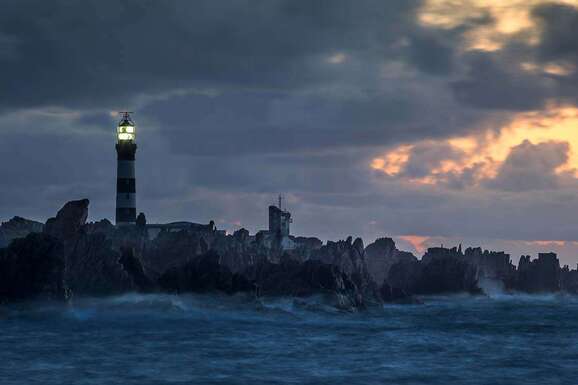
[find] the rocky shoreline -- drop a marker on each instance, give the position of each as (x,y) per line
(68,257)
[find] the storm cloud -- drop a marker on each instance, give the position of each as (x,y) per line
(238,101)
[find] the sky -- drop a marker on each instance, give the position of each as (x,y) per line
(432,122)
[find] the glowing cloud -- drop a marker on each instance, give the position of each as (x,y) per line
(416,241)
(505,18)
(337,58)
(482,154)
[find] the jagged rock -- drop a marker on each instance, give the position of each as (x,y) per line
(304,247)
(291,278)
(569,280)
(492,266)
(171,249)
(358,246)
(18,227)
(349,258)
(141,220)
(381,255)
(241,235)
(539,275)
(93,267)
(203,245)
(69,220)
(241,252)
(134,269)
(403,277)
(101,259)
(32,268)
(446,271)
(204,274)
(103,226)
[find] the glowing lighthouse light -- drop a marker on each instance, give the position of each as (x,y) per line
(126,129)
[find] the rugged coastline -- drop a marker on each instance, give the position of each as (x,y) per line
(68,257)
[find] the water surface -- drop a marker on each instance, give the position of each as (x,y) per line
(163,339)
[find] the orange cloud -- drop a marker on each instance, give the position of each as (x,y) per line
(483,153)
(509,18)
(547,243)
(418,242)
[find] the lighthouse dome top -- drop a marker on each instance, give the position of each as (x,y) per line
(126,128)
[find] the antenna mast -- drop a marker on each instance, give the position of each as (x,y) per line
(126,115)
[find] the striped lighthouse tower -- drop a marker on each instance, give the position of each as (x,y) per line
(125,179)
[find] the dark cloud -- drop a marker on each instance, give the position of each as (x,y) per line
(531,167)
(248,122)
(431,53)
(106,52)
(237,101)
(559,24)
(492,83)
(498,80)
(425,157)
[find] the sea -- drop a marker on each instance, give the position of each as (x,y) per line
(213,339)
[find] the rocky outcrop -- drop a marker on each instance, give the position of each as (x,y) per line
(569,280)
(93,267)
(348,257)
(313,277)
(402,280)
(17,227)
(440,271)
(133,267)
(493,268)
(68,221)
(103,227)
(381,255)
(171,249)
(540,275)
(446,271)
(243,263)
(204,274)
(72,256)
(32,268)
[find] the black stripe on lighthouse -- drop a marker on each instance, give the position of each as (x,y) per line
(126,183)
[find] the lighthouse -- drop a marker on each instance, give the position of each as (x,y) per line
(125,176)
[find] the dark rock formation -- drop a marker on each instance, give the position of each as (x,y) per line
(492,268)
(69,220)
(71,256)
(18,227)
(32,268)
(381,256)
(569,280)
(292,278)
(171,249)
(540,275)
(103,227)
(141,220)
(95,263)
(402,279)
(349,258)
(446,271)
(93,267)
(402,275)
(132,266)
(204,274)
